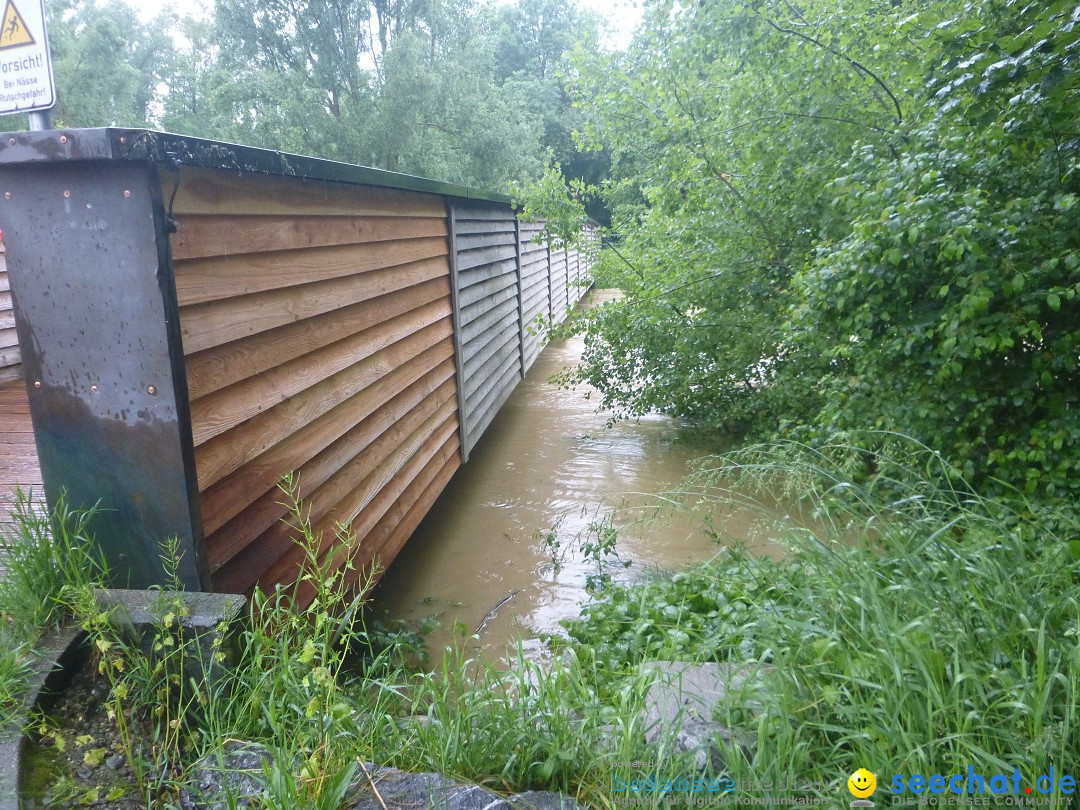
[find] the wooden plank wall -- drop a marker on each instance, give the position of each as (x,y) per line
(559,299)
(317,330)
(19,466)
(503,287)
(489,292)
(535,294)
(10,361)
(319,338)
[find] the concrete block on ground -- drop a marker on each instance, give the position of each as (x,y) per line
(682,700)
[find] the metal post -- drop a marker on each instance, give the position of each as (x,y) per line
(97,320)
(459,351)
(520,295)
(40,120)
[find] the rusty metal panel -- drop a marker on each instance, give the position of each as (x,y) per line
(97,321)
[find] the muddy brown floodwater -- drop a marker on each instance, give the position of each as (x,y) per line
(506,531)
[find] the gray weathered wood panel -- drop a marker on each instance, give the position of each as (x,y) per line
(488,311)
(10,359)
(534,289)
(559,298)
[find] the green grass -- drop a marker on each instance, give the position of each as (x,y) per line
(45,558)
(914,628)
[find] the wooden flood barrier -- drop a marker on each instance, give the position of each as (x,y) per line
(18,455)
(199,320)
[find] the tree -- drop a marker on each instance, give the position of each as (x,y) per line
(951,311)
(833,222)
(724,122)
(107,65)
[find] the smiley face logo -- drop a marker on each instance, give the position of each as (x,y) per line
(862,784)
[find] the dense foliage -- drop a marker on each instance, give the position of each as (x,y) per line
(450,89)
(912,625)
(837,219)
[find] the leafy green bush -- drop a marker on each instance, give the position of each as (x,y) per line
(950,311)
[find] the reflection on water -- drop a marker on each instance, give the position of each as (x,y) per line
(497,553)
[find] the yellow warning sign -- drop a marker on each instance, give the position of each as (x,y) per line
(13,31)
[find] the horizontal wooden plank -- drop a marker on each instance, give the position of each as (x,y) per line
(483,413)
(472,243)
(354,455)
(534,263)
(9,374)
(496,373)
(263,512)
(409,484)
(476,209)
(18,455)
(477,292)
(232,450)
(363,505)
(477,310)
(10,356)
(216,191)
(474,227)
(531,353)
(229,497)
(216,322)
(9,337)
(478,258)
(363,488)
(540,310)
(421,494)
(506,339)
(535,284)
(495,315)
(215,413)
(199,280)
(538,287)
(506,268)
(219,366)
(199,236)
(7,319)
(534,301)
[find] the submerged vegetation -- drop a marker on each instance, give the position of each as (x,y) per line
(914,626)
(834,219)
(835,224)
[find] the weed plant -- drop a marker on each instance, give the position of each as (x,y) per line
(914,628)
(44,559)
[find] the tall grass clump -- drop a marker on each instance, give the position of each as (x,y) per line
(44,558)
(280,679)
(915,627)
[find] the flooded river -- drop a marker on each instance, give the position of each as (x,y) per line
(499,553)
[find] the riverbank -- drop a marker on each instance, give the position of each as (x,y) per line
(917,632)
(502,552)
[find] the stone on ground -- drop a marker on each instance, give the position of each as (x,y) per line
(682,700)
(236,779)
